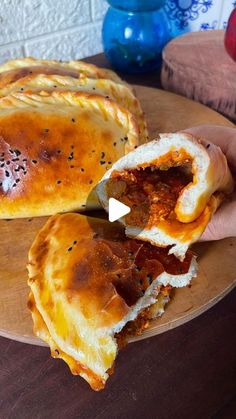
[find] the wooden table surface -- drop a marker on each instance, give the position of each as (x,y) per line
(189,372)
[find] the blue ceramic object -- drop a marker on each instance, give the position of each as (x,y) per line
(134,34)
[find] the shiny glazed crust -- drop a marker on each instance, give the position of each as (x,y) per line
(15,69)
(55,147)
(118,92)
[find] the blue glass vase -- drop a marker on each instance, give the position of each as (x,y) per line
(134,34)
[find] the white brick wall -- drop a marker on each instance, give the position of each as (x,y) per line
(61,29)
(69,29)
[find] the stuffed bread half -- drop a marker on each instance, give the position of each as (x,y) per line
(92,289)
(55,147)
(173,185)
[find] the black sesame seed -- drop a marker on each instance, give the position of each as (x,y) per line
(94,88)
(71,156)
(58,182)
(2,154)
(25,172)
(17,152)
(102,162)
(135,146)
(34,161)
(118,275)
(72,167)
(30,219)
(17,169)
(114,144)
(102,155)
(75,241)
(7,173)
(109,162)
(72,119)
(69,249)
(14,185)
(15,159)
(46,129)
(58,151)
(24,160)
(82,169)
(125,138)
(0,183)
(93,151)
(17,180)
(90,182)
(2,159)
(83,206)
(2,164)
(107,97)
(208,145)
(22,88)
(55,86)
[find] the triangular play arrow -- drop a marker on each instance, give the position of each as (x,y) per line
(117,209)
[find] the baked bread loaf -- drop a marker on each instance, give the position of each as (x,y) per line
(173,185)
(118,92)
(13,70)
(55,147)
(92,289)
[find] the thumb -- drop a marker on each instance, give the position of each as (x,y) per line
(223,222)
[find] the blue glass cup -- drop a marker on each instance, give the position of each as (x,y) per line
(134,34)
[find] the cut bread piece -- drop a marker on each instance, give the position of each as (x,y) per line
(92,289)
(173,185)
(118,92)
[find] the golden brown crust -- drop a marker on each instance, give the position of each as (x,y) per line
(25,66)
(85,286)
(15,75)
(41,330)
(54,148)
(118,92)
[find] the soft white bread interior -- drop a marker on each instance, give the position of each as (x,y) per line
(199,198)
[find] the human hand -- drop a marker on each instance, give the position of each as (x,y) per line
(223,223)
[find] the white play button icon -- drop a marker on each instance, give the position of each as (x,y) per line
(117,209)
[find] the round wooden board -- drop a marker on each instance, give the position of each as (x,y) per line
(165,112)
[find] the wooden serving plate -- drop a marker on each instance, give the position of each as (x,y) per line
(165,112)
